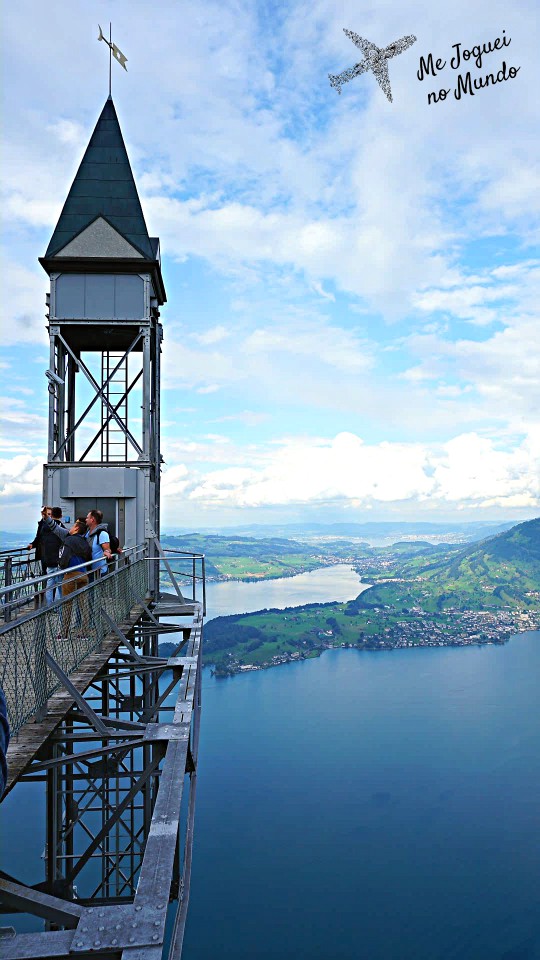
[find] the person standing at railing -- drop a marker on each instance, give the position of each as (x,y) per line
(37,542)
(74,552)
(50,552)
(99,540)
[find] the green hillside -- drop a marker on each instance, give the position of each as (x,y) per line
(250,558)
(500,571)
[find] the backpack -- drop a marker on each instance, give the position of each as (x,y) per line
(114,543)
(75,547)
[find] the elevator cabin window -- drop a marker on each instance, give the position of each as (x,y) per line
(99,296)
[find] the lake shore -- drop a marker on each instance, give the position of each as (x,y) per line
(278,660)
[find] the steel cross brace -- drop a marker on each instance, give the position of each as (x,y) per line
(156,626)
(161,552)
(67,758)
(100,393)
(152,732)
(19,898)
(92,402)
(82,704)
(121,636)
(122,400)
(115,816)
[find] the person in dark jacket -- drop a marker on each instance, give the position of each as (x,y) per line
(37,542)
(50,548)
(74,552)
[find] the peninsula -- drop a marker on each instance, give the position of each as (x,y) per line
(420,595)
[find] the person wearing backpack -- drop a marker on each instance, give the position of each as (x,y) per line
(99,540)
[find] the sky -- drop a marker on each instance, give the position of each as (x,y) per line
(351,330)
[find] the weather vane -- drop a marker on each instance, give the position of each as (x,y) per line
(113,52)
(375,60)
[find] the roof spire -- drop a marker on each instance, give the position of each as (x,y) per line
(104,187)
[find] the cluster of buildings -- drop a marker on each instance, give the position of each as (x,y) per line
(455,628)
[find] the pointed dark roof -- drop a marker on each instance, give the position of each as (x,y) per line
(104,186)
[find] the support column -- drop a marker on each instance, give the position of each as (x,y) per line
(147,395)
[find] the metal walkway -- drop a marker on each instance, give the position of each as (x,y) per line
(111,729)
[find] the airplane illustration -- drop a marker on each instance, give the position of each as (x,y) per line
(375,60)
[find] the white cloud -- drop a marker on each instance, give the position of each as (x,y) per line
(209,388)
(20,476)
(286,192)
(213,335)
(247,417)
(467,470)
(323,293)
(467,303)
(24,304)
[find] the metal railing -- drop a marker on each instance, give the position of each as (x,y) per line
(187,569)
(73,627)
(69,630)
(19,566)
(24,587)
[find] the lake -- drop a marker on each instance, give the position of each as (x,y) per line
(360,805)
(371,805)
(339,582)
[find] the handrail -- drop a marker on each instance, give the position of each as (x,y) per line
(17,594)
(72,627)
(187,553)
(88,564)
(4,554)
(69,629)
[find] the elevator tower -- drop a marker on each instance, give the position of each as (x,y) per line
(106,289)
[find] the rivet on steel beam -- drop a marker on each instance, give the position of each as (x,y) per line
(132,939)
(97,943)
(155,937)
(138,909)
(157,923)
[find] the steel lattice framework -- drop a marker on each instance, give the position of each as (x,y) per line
(106,724)
(115,745)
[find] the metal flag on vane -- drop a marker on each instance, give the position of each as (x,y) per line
(114,51)
(117,54)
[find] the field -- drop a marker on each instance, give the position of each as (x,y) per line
(248,558)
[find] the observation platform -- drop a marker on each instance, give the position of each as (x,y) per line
(111,729)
